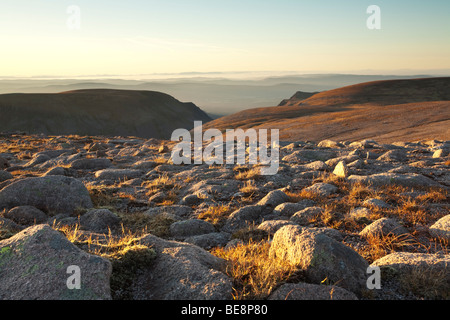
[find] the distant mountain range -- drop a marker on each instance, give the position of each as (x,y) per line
(389,110)
(98,112)
(216,96)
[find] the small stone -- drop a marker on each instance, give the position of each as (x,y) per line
(118,174)
(329,144)
(191,200)
(189,228)
(440,153)
(360,214)
(99,220)
(26,215)
(304,216)
(376,203)
(273,199)
(322,189)
(5,175)
(341,170)
(384,227)
(91,164)
(4,163)
(287,209)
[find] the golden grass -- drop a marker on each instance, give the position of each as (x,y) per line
(426,283)
(216,214)
(249,187)
(141,223)
(125,251)
(380,245)
(255,275)
(170,199)
(163,182)
(108,246)
(253,173)
(101,196)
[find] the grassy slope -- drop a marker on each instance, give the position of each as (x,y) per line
(384,110)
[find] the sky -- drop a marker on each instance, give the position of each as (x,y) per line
(140,38)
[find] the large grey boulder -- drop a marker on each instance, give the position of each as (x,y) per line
(181,271)
(320,257)
(34,265)
(51,194)
(381,179)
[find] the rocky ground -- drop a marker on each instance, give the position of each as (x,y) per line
(139,227)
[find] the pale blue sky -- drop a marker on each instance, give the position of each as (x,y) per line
(170,36)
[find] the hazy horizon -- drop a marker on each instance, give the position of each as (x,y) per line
(236,75)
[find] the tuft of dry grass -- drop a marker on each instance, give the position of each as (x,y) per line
(253,173)
(216,214)
(139,222)
(426,283)
(249,187)
(108,246)
(101,196)
(254,273)
(163,182)
(380,245)
(125,251)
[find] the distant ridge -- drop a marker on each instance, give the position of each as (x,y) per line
(388,110)
(297,97)
(385,92)
(146,114)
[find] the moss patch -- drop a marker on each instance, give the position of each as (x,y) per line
(126,265)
